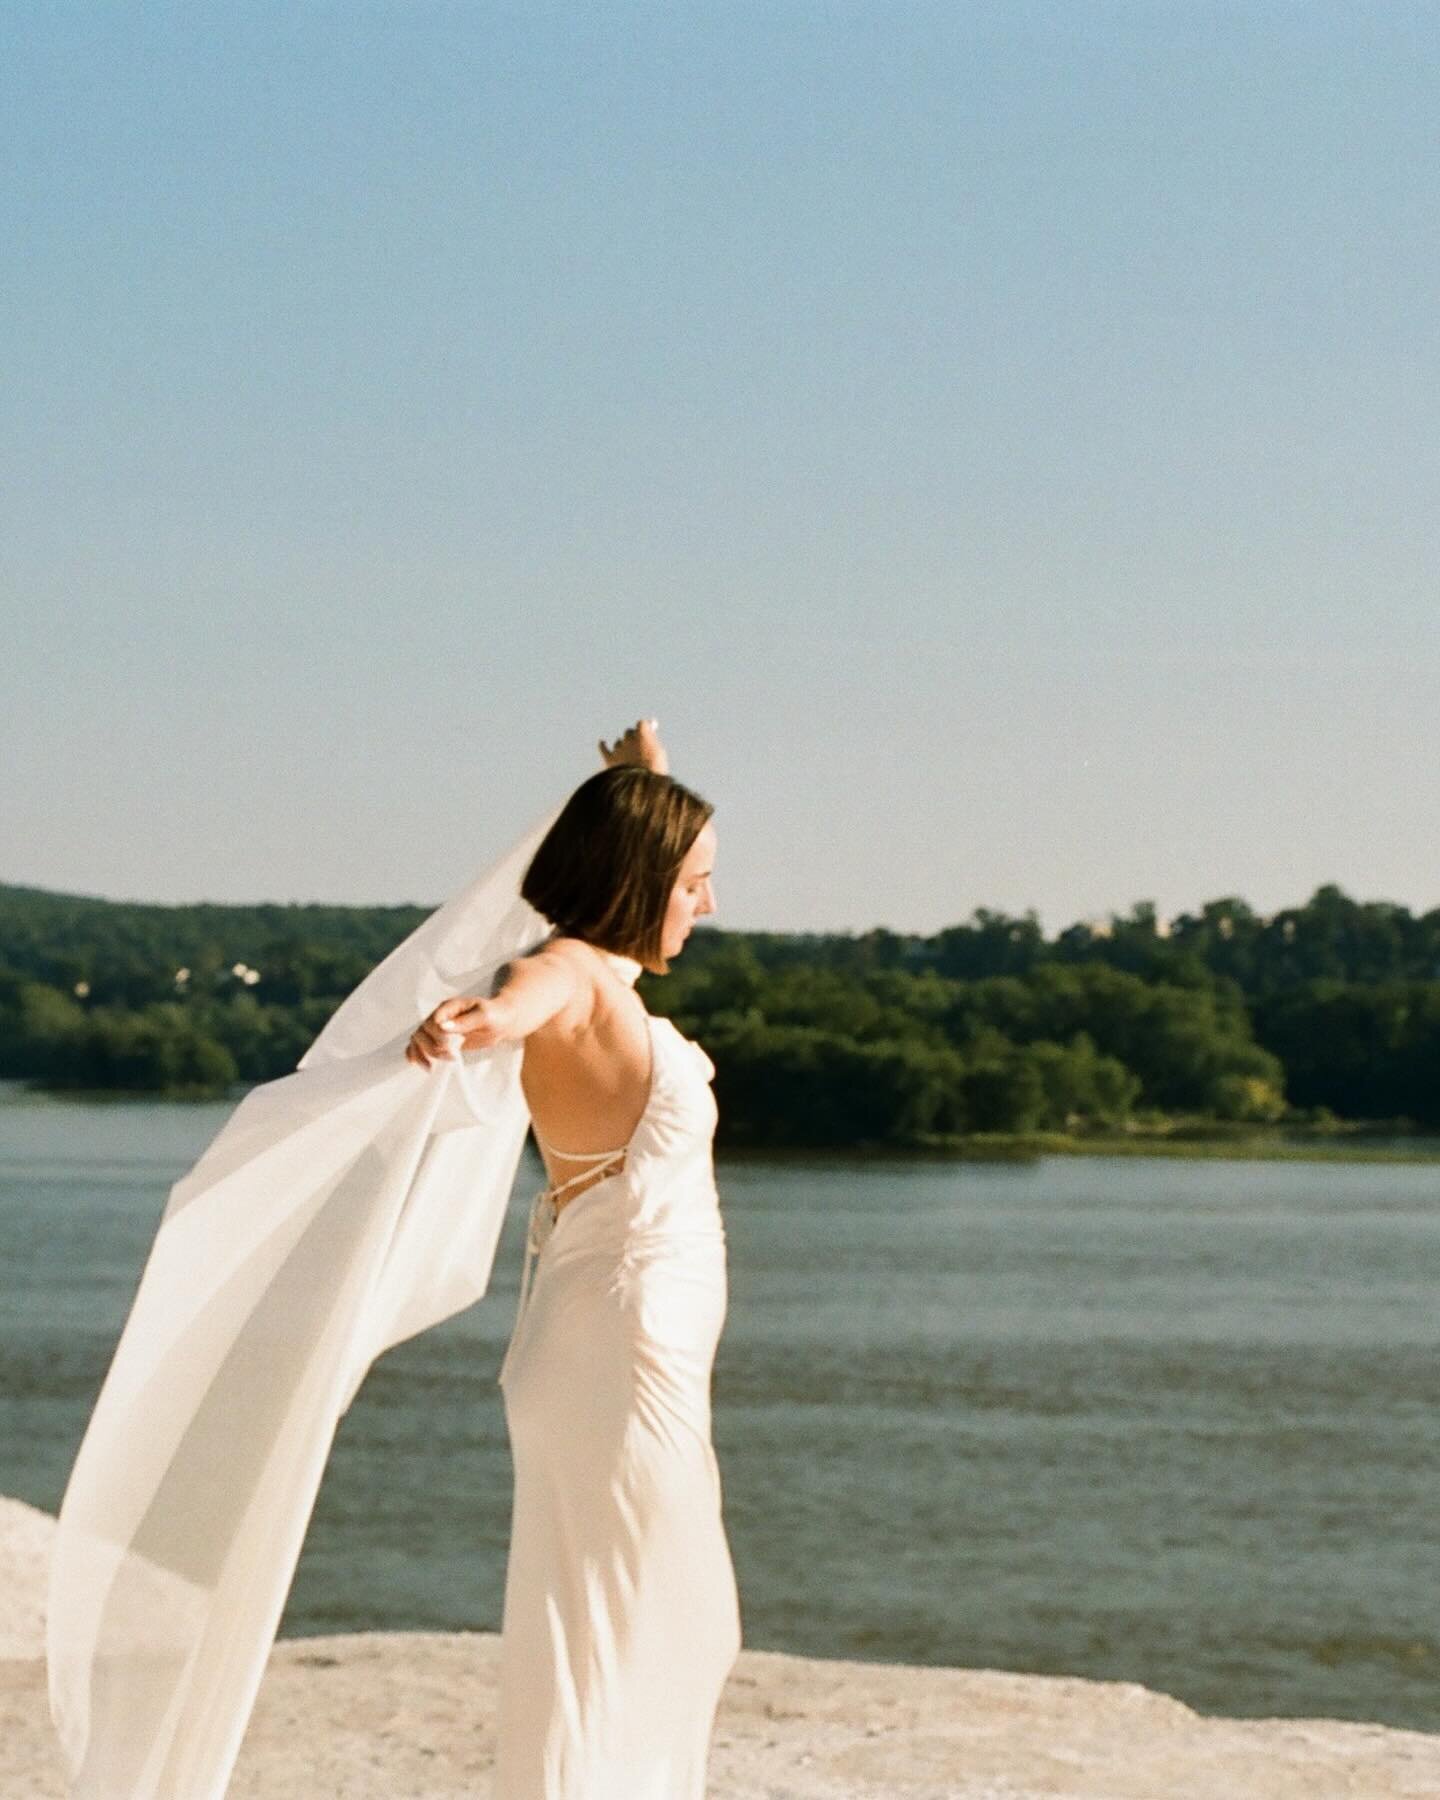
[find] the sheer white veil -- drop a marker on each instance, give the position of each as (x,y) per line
(339,1210)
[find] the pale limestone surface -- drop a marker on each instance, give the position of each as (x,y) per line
(408,1716)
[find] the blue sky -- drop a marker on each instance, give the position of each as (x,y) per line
(997,442)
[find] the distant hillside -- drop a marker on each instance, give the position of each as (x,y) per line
(877,1037)
(129,951)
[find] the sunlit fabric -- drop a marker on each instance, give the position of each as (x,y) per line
(339,1210)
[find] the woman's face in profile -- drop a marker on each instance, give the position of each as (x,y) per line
(692,897)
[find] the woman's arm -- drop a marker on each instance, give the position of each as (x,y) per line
(535,989)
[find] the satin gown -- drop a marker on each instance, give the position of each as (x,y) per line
(621,1617)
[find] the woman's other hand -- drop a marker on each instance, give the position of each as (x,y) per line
(640,744)
(459,1023)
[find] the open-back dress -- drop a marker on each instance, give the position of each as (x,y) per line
(621,1616)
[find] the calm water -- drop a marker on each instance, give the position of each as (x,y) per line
(1168,1422)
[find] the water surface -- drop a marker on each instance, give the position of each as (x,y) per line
(1159,1421)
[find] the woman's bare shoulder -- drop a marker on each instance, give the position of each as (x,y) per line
(552,949)
(570,959)
(573,952)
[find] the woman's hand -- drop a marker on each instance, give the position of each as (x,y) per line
(459,1023)
(640,744)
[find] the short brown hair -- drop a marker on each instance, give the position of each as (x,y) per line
(605,870)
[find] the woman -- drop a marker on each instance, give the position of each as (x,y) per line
(359,1200)
(621,1618)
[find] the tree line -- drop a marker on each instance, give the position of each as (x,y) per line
(1326,1010)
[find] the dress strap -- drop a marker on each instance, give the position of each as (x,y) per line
(553,1193)
(578,1155)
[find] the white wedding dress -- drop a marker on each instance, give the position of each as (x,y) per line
(621,1617)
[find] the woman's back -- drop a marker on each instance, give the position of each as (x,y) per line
(587,1072)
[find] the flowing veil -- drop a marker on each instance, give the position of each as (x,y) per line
(339,1210)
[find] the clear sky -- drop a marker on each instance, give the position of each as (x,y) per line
(999,442)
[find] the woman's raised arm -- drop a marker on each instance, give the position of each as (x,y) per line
(640,744)
(536,987)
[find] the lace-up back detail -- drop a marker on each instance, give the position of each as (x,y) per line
(594,1157)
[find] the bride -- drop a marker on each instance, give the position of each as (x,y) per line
(621,1618)
(359,1200)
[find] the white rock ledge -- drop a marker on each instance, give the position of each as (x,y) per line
(408,1716)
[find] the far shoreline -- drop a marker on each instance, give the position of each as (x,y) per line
(994,1148)
(1359,1142)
